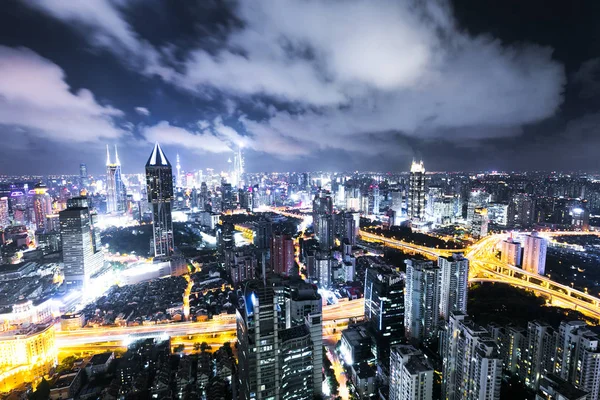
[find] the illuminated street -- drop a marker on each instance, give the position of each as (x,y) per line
(332,314)
(485,267)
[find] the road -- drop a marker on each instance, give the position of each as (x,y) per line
(338,313)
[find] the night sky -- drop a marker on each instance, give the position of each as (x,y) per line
(302,85)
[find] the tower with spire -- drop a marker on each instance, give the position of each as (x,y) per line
(178,166)
(116,194)
(159,186)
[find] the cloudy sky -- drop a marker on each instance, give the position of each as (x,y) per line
(301,84)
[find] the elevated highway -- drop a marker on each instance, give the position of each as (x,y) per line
(486,267)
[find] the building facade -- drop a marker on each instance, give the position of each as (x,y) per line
(159,186)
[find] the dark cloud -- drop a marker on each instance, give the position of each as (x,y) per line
(293,80)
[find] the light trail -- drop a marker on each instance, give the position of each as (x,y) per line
(335,314)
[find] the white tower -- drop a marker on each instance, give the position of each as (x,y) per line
(178,166)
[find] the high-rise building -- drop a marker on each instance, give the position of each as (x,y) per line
(538,360)
(263,234)
(521,210)
(421,300)
(411,375)
(384,307)
(350,227)
(577,357)
(471,366)
(325,231)
(116,195)
(510,252)
(178,168)
(82,251)
(322,206)
(534,253)
(159,186)
(282,255)
(4,212)
(323,272)
(454,271)
(42,206)
(416,192)
(479,223)
(276,360)
(83,175)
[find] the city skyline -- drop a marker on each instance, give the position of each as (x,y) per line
(203,83)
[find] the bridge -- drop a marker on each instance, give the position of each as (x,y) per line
(486,267)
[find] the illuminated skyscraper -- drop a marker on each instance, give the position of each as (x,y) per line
(42,206)
(178,167)
(82,253)
(83,175)
(416,192)
(421,300)
(116,196)
(159,186)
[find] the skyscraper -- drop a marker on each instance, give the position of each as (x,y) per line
(416,192)
(282,255)
(83,175)
(411,375)
(276,358)
(159,186)
(454,272)
(82,252)
(534,254)
(116,196)
(421,300)
(384,307)
(42,206)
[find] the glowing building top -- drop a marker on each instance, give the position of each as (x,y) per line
(417,167)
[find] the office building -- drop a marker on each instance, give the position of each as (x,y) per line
(384,307)
(82,250)
(282,255)
(471,366)
(275,361)
(323,272)
(159,186)
(498,213)
(454,271)
(534,254)
(322,209)
(510,252)
(477,199)
(421,300)
(521,210)
(416,192)
(325,231)
(116,196)
(411,375)
(479,223)
(350,226)
(42,206)
(83,175)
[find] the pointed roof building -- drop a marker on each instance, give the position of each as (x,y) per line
(157,158)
